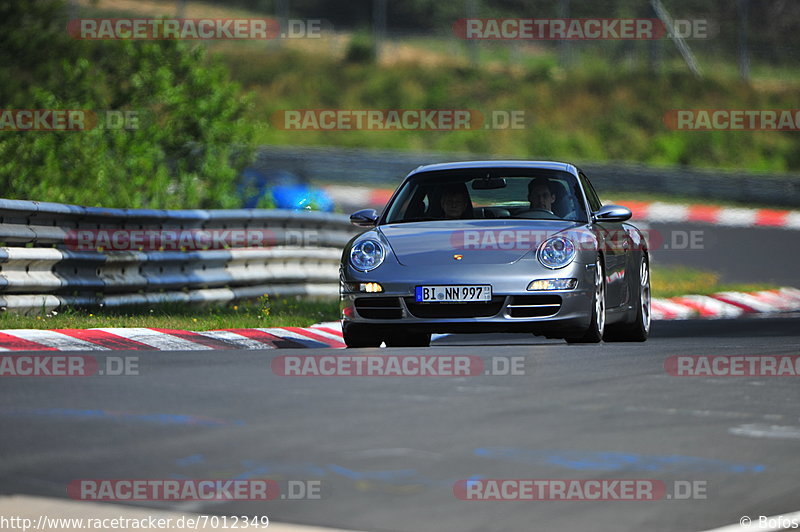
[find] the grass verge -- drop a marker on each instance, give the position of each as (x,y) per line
(262,313)
(680,281)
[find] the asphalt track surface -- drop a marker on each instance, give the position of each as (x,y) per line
(388,450)
(753,255)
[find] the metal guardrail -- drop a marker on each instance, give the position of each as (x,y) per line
(386,169)
(42,268)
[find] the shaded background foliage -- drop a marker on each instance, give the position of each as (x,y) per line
(772,24)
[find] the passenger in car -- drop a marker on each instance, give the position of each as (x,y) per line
(455,202)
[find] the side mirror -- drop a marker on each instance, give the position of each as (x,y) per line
(612,213)
(364,218)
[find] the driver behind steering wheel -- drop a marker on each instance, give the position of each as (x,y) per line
(541,194)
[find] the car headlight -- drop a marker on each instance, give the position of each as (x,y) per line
(556,252)
(367,255)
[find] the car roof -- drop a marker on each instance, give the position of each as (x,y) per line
(543,165)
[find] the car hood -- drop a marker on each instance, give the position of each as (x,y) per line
(477,242)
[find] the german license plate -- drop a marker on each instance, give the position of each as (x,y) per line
(453,293)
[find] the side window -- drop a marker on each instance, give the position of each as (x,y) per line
(591,195)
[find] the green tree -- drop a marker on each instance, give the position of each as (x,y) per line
(192,135)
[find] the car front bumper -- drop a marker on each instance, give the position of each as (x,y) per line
(513,307)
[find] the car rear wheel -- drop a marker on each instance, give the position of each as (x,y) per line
(405,338)
(639,329)
(360,336)
(598,320)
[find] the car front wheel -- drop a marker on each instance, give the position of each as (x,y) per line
(598,320)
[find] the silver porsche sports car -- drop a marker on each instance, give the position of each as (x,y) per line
(495,246)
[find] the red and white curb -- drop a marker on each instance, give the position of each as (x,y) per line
(726,304)
(723,216)
(323,335)
(329,335)
(364,197)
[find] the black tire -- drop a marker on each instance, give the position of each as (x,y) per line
(639,329)
(360,336)
(405,338)
(594,333)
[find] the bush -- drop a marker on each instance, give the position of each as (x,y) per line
(192,136)
(360,49)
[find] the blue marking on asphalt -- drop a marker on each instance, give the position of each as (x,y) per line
(613,461)
(256,470)
(190,460)
(159,419)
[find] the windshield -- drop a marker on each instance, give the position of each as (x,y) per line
(477,194)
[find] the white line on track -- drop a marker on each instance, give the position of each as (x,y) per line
(772,432)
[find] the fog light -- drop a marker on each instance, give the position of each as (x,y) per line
(370,288)
(553,284)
